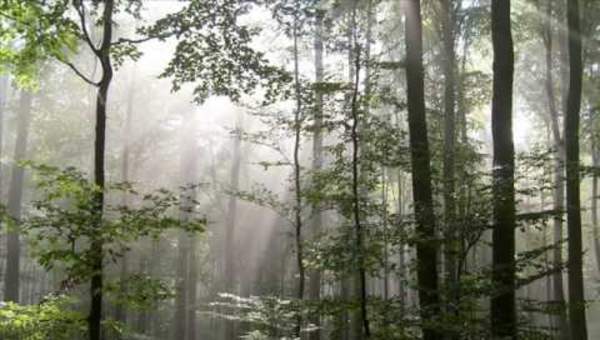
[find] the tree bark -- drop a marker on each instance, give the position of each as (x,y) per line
(103,55)
(297,175)
(427,248)
(594,203)
(181,305)
(314,276)
(187,271)
(230,279)
(449,67)
(561,323)
(192,290)
(15,198)
(361,321)
(503,309)
(120,314)
(575,265)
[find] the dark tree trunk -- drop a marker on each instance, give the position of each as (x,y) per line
(503,309)
(297,175)
(314,276)
(97,284)
(427,248)
(575,265)
(15,198)
(361,327)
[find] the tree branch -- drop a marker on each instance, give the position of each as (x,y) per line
(79,73)
(80,9)
(141,40)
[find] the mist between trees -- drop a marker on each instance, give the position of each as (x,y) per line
(299,169)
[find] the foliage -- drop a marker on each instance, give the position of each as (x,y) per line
(62,224)
(53,318)
(214,51)
(139,292)
(269,317)
(34,31)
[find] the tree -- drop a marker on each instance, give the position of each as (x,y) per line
(314,277)
(361,319)
(503,309)
(559,191)
(448,27)
(427,248)
(120,314)
(297,130)
(234,183)
(15,198)
(575,265)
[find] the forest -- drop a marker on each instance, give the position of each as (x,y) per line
(299,169)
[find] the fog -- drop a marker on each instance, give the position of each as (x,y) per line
(263,173)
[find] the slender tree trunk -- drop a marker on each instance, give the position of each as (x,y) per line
(15,197)
(230,279)
(503,309)
(120,314)
(386,261)
(192,290)
(449,67)
(97,284)
(181,305)
(297,175)
(314,276)
(561,322)
(361,318)
(427,248)
(3,100)
(402,292)
(594,203)
(575,266)
(4,86)
(187,271)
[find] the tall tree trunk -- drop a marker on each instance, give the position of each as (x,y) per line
(561,322)
(187,271)
(314,276)
(386,242)
(575,265)
(297,175)
(120,314)
(361,321)
(427,249)
(104,56)
(503,309)
(3,99)
(4,87)
(594,203)
(15,197)
(181,305)
(450,235)
(192,291)
(402,273)
(230,279)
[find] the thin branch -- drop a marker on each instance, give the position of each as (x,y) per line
(79,73)
(141,40)
(80,9)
